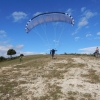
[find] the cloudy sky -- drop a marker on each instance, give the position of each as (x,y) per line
(83,37)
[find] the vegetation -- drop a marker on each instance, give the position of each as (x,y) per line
(2,58)
(92,76)
(21,54)
(39,77)
(11,52)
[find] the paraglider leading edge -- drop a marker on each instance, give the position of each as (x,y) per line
(48,17)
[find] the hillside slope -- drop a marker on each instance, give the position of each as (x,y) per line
(67,77)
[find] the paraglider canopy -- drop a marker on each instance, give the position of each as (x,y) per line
(48,17)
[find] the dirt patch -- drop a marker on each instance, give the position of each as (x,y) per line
(63,78)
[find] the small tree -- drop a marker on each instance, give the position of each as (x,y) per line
(65,53)
(21,55)
(11,52)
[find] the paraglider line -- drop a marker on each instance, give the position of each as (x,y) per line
(40,36)
(61,32)
(44,28)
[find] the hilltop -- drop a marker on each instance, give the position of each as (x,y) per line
(39,77)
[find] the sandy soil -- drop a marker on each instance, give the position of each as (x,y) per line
(67,82)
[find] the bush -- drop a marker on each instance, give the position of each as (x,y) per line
(21,55)
(2,58)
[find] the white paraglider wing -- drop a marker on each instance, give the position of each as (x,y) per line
(48,17)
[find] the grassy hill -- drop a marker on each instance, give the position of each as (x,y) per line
(39,77)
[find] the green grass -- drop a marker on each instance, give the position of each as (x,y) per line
(25,59)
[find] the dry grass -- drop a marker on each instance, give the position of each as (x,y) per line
(92,76)
(66,77)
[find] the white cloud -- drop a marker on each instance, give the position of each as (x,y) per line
(83,8)
(18,16)
(28,53)
(87,27)
(76,38)
(89,14)
(95,24)
(84,20)
(6,47)
(98,33)
(76,31)
(88,35)
(69,11)
(88,50)
(3,49)
(55,41)
(31,53)
(2,33)
(18,49)
(37,13)
(97,38)
(86,16)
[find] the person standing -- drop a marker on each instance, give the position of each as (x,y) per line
(97,50)
(52,52)
(20,58)
(96,53)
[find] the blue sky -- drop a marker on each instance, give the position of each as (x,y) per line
(83,37)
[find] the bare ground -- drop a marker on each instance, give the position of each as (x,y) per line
(63,78)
